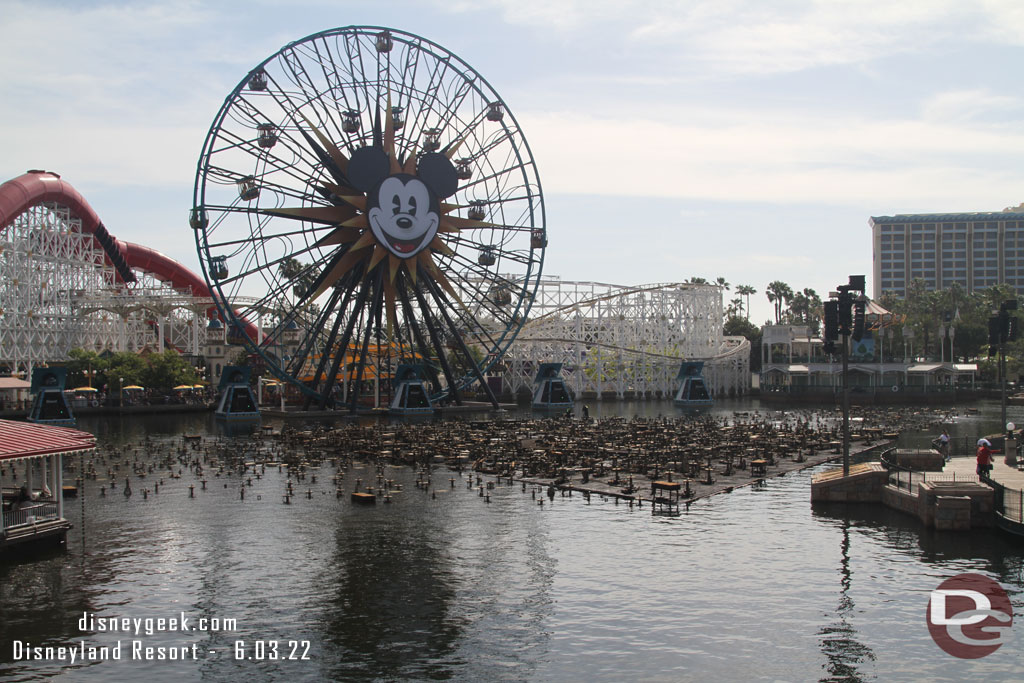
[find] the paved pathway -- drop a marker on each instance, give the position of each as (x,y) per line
(1008,476)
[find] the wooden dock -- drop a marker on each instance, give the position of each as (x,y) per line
(723,478)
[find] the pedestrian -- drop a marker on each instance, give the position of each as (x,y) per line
(941,443)
(985,457)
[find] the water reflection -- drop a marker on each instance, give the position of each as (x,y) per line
(839,642)
(388,604)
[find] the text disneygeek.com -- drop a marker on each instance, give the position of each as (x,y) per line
(135,647)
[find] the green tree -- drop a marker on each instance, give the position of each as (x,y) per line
(85,368)
(166,370)
(779,295)
(124,368)
(746,291)
(736,326)
(806,308)
(299,274)
(735,307)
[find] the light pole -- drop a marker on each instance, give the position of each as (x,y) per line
(844,317)
(1002,327)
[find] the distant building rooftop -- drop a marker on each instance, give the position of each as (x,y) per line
(949,217)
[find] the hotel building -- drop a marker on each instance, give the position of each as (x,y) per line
(975,250)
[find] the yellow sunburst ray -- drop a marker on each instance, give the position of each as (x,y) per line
(452,149)
(365,241)
(427,261)
(394,263)
(343,265)
(410,164)
(437,244)
(343,191)
(336,156)
(340,236)
(389,136)
(379,253)
(357,201)
(360,221)
(314,214)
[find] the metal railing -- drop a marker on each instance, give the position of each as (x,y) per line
(1013,505)
(909,479)
(905,478)
(1009,503)
(30,514)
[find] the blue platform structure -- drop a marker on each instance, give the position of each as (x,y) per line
(412,393)
(693,392)
(549,390)
(237,400)
(50,406)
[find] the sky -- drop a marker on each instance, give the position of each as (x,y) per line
(744,139)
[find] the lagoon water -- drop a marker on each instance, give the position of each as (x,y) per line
(751,585)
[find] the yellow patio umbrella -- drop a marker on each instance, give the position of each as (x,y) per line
(183,387)
(85,389)
(134,387)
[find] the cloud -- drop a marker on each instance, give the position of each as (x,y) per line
(968,105)
(757,37)
(780,156)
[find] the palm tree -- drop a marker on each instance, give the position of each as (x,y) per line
(746,290)
(735,308)
(815,309)
(779,294)
(720,281)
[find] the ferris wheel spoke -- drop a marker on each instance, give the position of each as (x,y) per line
(378,298)
(504,175)
(443,306)
(325,348)
(434,81)
(414,328)
(463,90)
(259,267)
(287,235)
(340,350)
(293,111)
(306,348)
(437,341)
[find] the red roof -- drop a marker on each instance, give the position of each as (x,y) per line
(27,439)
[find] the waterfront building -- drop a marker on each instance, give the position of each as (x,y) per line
(32,483)
(881,366)
(973,250)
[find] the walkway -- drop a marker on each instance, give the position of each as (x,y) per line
(1008,476)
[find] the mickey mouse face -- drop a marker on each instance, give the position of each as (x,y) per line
(403,210)
(403,215)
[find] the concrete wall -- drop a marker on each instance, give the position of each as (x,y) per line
(942,504)
(919,460)
(864,487)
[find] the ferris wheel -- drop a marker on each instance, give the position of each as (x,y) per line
(365,199)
